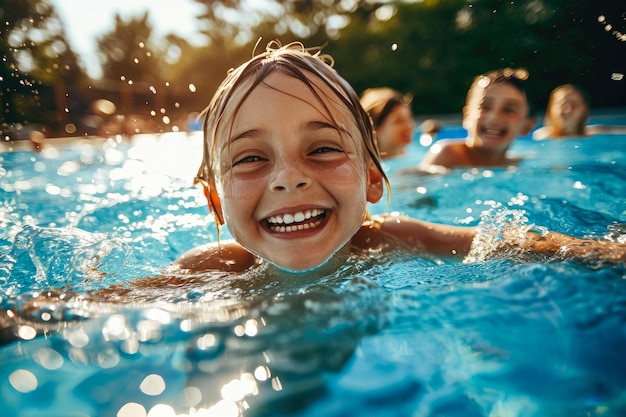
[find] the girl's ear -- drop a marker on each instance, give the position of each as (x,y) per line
(374,183)
(215,204)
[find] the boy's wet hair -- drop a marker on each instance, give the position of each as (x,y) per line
(518,78)
(296,61)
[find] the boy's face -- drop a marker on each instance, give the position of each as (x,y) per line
(497,117)
(293,184)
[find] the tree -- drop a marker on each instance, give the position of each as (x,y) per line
(434,48)
(37,59)
(128,52)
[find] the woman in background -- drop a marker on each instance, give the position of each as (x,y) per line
(567,114)
(392,117)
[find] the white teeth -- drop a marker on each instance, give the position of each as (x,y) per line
(297,217)
(294,228)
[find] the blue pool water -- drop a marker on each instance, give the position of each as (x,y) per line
(400,336)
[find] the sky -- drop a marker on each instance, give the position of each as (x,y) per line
(84,22)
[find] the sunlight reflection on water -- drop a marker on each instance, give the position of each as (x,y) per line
(403,336)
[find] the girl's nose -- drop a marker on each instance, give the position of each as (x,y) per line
(289,175)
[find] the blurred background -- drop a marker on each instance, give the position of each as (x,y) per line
(152,66)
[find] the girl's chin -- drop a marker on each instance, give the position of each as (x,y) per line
(299,267)
(319,264)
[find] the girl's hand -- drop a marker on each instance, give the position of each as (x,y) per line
(565,247)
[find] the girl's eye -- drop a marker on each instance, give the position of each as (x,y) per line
(247,160)
(326,149)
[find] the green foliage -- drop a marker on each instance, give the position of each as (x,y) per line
(128,53)
(35,55)
(442,45)
(433,49)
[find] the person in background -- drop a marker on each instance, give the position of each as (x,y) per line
(496,112)
(392,117)
(567,114)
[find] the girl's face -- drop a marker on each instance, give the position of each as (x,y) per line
(568,109)
(396,131)
(495,119)
(293,182)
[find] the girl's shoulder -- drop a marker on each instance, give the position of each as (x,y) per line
(227,256)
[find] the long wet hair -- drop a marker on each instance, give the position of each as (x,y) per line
(298,62)
(379,102)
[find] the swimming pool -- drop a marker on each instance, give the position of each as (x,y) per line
(393,337)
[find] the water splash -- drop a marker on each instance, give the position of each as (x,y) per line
(499,231)
(48,257)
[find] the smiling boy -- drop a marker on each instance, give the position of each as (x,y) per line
(496,112)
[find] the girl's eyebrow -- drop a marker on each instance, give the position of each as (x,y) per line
(317,125)
(306,126)
(250,133)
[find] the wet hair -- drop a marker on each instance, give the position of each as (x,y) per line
(295,61)
(518,78)
(567,88)
(380,102)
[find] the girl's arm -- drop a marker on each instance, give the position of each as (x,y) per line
(605,129)
(436,239)
(564,247)
(446,240)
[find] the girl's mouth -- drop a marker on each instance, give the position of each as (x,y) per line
(298,221)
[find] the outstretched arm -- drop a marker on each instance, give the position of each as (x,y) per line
(432,238)
(605,129)
(446,240)
(564,247)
